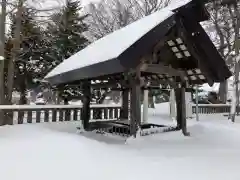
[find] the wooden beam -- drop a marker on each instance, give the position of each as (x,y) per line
(164,82)
(85,114)
(160,44)
(181,110)
(189,41)
(161,69)
(184,117)
(135,120)
(125,100)
(145,106)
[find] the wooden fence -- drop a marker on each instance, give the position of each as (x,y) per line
(19,114)
(212,108)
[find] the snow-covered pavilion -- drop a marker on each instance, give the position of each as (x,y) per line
(168,47)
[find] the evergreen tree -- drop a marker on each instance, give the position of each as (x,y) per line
(66,35)
(27,67)
(67,31)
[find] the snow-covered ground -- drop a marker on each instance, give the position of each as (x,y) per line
(54,151)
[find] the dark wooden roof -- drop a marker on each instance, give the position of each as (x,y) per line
(172,48)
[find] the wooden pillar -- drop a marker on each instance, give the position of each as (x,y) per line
(181,110)
(85,115)
(135,120)
(197,107)
(125,100)
(188,104)
(172,104)
(145,106)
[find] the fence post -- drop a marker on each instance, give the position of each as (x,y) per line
(196,99)
(188,99)
(172,104)
(145,106)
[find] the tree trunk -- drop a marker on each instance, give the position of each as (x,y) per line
(58,97)
(23,98)
(237,86)
(115,95)
(222,93)
(236,22)
(54,94)
(101,99)
(150,100)
(2,48)
(235,96)
(65,100)
(23,91)
(151,103)
(15,52)
(125,101)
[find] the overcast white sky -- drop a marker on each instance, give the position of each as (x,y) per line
(46,4)
(54,2)
(85,2)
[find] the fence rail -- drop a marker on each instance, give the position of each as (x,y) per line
(19,114)
(211,108)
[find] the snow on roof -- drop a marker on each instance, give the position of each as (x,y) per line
(114,44)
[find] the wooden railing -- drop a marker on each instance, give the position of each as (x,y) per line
(212,108)
(19,114)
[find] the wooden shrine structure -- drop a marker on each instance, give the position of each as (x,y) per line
(167,48)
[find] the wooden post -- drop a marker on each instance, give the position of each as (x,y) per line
(135,120)
(145,106)
(181,110)
(188,104)
(85,115)
(172,104)
(124,109)
(2,57)
(197,107)
(15,51)
(184,118)
(58,98)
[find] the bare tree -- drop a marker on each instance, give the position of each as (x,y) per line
(221,32)
(17,8)
(234,11)
(15,52)
(224,31)
(110,15)
(2,56)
